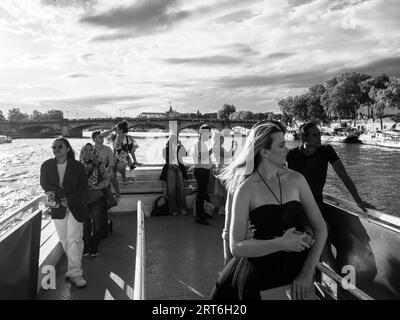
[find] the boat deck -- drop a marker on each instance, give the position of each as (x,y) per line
(182,261)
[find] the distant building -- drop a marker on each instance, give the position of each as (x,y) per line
(171,113)
(152,115)
(387,124)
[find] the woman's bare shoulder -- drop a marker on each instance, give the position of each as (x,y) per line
(291,176)
(248,185)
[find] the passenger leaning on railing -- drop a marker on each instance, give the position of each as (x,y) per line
(66,179)
(95,227)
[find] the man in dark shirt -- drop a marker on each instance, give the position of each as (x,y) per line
(311,160)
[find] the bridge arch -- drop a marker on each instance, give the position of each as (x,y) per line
(195,125)
(38,131)
(246,125)
(158,125)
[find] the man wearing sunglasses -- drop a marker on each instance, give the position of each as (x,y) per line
(311,159)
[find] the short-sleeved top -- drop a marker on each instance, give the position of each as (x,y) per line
(201,155)
(105,154)
(313,167)
(127,144)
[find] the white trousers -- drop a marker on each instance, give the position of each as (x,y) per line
(70,233)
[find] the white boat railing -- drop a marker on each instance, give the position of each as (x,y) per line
(12,219)
(356,292)
(372,215)
(380,218)
(140,262)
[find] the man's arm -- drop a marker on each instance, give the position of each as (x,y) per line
(106,133)
(342,173)
(111,163)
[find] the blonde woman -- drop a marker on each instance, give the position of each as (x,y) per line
(280,205)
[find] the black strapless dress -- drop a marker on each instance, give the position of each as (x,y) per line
(244,278)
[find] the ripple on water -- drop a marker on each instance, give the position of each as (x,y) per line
(375,170)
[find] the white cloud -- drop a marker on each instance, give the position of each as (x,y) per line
(195,53)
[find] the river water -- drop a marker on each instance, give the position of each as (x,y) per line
(374,170)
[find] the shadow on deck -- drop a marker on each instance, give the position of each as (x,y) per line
(183,260)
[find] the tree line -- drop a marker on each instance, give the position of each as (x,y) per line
(15,114)
(228,112)
(341,98)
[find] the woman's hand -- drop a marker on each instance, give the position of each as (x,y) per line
(302,285)
(250,231)
(293,241)
(95,187)
(234,145)
(64,202)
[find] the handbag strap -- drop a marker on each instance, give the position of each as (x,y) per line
(158,200)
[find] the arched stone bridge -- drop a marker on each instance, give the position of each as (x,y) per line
(74,128)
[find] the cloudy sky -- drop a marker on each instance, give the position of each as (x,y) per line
(106,58)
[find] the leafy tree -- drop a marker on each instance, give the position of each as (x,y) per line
(212,115)
(54,115)
(388,97)
(315,110)
(286,106)
(235,115)
(316,90)
(262,116)
(2,115)
(378,82)
(392,98)
(343,95)
(15,114)
(246,115)
(225,111)
(36,116)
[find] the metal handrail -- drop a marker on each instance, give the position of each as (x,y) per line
(356,292)
(139,292)
(373,215)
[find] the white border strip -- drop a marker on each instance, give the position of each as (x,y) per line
(140,262)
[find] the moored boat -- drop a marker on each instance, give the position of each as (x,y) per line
(291,135)
(389,143)
(5,139)
(387,139)
(370,138)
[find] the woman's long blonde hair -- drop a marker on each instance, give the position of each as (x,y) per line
(247,161)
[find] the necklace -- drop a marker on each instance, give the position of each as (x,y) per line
(280,189)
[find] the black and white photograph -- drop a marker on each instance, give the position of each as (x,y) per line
(216,151)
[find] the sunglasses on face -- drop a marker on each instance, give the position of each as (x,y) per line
(58,146)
